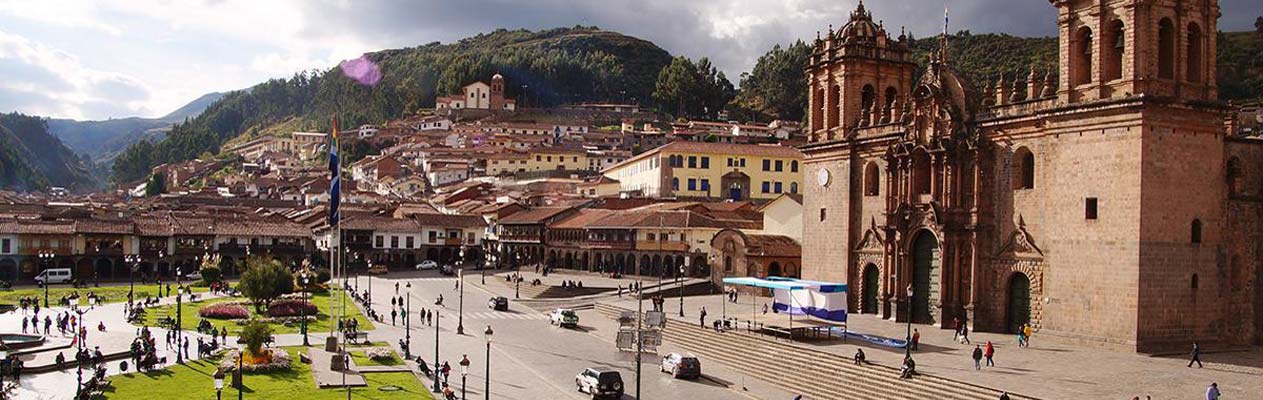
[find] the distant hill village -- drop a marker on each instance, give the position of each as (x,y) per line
(590,186)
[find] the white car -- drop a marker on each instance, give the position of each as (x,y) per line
(427,264)
(563,317)
(681,365)
(600,383)
(193,276)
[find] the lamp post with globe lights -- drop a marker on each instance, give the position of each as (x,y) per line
(46,258)
(464,371)
(487,378)
(306,280)
(907,347)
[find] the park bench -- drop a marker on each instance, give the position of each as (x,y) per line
(357,337)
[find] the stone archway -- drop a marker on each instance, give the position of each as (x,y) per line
(104,268)
(872,279)
(1018,302)
(926,270)
(84,270)
(8,270)
(432,255)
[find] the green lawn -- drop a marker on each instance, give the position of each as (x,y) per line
(320,324)
(112,294)
(194,381)
(362,359)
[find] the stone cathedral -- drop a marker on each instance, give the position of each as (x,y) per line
(1103,203)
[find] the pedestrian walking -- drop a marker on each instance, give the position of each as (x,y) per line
(989,353)
(1212,392)
(955,328)
(48,322)
(764,308)
(1027,331)
(702,321)
(1195,356)
(916,339)
(964,333)
(393,315)
(186,347)
(24,322)
(396,288)
(429,318)
(977,358)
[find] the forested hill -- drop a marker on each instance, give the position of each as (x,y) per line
(541,68)
(31,159)
(776,88)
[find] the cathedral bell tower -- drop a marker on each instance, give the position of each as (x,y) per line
(856,76)
(1122,48)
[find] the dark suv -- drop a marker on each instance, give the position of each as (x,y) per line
(498,303)
(600,383)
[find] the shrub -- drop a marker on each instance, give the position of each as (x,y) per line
(224,311)
(211,275)
(291,308)
(322,275)
(255,333)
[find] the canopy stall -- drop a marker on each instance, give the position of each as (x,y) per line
(825,301)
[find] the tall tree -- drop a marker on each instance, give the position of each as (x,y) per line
(677,86)
(777,87)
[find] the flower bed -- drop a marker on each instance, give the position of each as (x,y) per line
(270,360)
(224,311)
(380,353)
(291,308)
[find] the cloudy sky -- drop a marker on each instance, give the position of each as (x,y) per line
(102,59)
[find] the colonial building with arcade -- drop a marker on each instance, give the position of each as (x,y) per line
(1103,202)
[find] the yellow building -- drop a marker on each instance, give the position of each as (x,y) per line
(537,159)
(711,170)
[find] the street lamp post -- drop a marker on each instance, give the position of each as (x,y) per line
(241,376)
(436,351)
(460,317)
(464,371)
(306,280)
(680,279)
(407,324)
(907,344)
(517,282)
(219,383)
(486,390)
(179,304)
(134,261)
(46,257)
(79,360)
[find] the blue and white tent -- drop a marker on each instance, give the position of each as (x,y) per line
(824,300)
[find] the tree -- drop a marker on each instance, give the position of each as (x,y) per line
(265,280)
(777,86)
(1258,25)
(157,185)
(255,333)
(693,89)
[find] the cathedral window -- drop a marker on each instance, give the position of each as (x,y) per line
(891,96)
(1023,169)
(1193,282)
(1166,49)
(1116,45)
(1089,208)
(1081,57)
(867,97)
(870,179)
(1194,57)
(1196,231)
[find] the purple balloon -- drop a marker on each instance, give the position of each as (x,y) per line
(362,70)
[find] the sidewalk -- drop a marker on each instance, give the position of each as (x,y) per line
(1048,369)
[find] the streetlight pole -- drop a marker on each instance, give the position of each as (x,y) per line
(464,371)
(241,375)
(306,279)
(46,257)
(436,350)
(79,360)
(460,317)
(407,324)
(907,346)
(680,279)
(486,390)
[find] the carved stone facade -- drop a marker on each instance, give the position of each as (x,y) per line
(1102,202)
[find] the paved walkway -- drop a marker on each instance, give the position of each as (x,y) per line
(324,375)
(1049,369)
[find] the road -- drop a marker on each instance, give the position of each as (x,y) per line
(530,357)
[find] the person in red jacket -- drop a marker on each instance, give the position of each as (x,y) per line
(989,352)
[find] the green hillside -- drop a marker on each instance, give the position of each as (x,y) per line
(32,159)
(541,68)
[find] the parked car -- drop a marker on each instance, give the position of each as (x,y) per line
(498,303)
(427,264)
(600,383)
(54,275)
(193,276)
(564,317)
(681,365)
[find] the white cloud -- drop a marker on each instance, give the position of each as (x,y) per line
(57,84)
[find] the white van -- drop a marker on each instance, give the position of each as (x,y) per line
(54,275)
